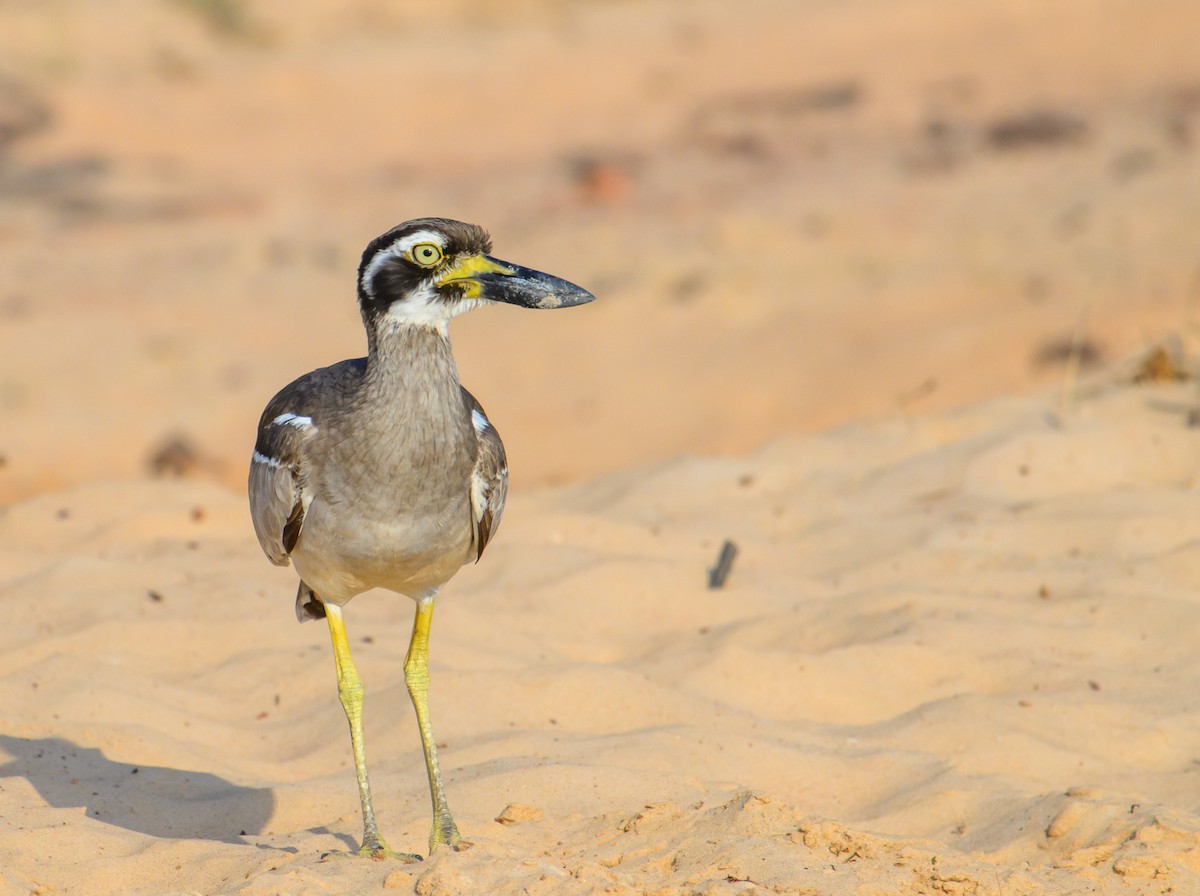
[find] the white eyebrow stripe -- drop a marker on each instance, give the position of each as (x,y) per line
(293,420)
(399,249)
(405,243)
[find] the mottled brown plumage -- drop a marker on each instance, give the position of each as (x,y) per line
(379,464)
(384,472)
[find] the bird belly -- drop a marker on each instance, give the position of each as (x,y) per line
(404,553)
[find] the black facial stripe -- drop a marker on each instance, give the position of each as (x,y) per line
(397,276)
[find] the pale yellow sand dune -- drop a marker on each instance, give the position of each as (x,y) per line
(954,654)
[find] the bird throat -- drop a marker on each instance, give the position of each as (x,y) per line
(411,380)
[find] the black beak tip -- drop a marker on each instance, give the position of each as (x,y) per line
(533,289)
(566,296)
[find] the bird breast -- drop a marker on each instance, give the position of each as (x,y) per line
(392,483)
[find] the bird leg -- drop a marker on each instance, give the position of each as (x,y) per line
(416,676)
(350,691)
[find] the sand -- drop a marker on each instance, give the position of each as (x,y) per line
(950,656)
(875,281)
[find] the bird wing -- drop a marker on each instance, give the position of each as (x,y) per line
(278,500)
(489,477)
(279,496)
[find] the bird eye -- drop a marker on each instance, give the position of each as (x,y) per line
(426,254)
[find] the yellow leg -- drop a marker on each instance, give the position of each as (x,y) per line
(416,676)
(350,691)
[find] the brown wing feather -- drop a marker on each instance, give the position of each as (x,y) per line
(278,472)
(277,496)
(291,529)
(489,478)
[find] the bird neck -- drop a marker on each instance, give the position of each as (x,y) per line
(403,358)
(411,385)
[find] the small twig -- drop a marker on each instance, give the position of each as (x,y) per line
(719,573)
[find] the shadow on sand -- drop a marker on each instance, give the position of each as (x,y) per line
(161,802)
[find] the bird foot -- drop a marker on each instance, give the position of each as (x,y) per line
(380,853)
(377,851)
(445,833)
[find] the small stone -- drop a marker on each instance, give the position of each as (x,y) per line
(1070,815)
(514,813)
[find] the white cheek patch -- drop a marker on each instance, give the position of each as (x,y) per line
(426,308)
(399,249)
(293,420)
(419,307)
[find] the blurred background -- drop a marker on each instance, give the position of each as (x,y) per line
(794,212)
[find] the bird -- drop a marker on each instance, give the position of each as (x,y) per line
(384,472)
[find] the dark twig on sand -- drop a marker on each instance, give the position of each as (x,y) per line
(720,572)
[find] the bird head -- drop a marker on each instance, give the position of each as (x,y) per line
(432,269)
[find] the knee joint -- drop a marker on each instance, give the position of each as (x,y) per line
(350,690)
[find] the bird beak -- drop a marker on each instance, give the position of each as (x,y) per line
(484,277)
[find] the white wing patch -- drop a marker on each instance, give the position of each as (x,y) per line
(481,490)
(260,458)
(480,422)
(481,486)
(293,420)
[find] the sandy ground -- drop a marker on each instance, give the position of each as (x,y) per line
(850,258)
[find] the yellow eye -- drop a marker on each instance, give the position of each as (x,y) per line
(426,254)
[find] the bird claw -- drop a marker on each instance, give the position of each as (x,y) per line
(380,853)
(445,833)
(377,852)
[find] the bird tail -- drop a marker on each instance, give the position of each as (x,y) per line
(308,605)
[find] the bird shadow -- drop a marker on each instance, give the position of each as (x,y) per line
(149,799)
(349,842)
